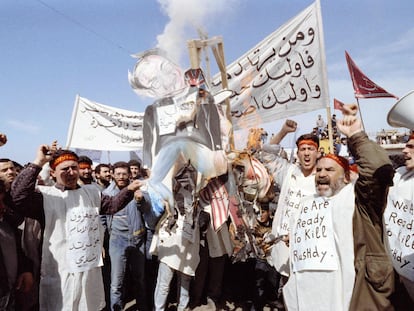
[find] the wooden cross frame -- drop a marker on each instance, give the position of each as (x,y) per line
(195,48)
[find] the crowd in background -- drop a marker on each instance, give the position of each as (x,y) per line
(135,268)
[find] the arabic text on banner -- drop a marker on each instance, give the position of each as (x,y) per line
(99,127)
(283,75)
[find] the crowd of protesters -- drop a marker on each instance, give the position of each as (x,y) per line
(75,236)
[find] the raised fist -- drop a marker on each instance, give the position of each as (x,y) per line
(3,139)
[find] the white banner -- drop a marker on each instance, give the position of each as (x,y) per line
(283,75)
(98,127)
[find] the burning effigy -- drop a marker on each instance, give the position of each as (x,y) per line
(186,129)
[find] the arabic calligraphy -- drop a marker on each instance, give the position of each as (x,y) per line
(110,119)
(284,71)
(286,94)
(183,109)
(368,85)
(126,127)
(279,66)
(83,238)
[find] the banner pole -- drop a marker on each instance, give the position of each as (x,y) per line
(330,131)
(72,122)
(360,114)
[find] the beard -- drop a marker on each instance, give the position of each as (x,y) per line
(333,187)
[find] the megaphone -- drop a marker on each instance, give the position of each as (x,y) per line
(402,113)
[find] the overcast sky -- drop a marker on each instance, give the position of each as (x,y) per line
(52,50)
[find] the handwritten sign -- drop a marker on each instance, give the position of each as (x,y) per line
(100,127)
(166,119)
(283,75)
(182,110)
(312,238)
(399,222)
(290,207)
(83,238)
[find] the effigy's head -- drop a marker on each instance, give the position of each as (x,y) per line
(156,76)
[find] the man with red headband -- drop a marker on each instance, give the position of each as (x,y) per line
(85,170)
(71,262)
(296,181)
(337,257)
(399,219)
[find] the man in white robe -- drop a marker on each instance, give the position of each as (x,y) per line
(337,256)
(296,181)
(399,219)
(71,277)
(321,243)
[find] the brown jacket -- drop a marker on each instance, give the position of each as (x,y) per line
(374,280)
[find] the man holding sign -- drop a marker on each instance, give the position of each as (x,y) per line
(336,249)
(399,219)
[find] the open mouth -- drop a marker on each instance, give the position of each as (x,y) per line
(323,182)
(306,161)
(322,186)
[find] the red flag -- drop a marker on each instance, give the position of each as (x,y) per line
(338,105)
(363,86)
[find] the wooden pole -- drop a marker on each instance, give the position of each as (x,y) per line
(330,131)
(195,48)
(360,114)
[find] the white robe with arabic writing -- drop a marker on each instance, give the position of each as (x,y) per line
(294,186)
(60,288)
(399,226)
(327,290)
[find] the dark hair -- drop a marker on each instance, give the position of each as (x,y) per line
(264,206)
(4,160)
(2,186)
(310,136)
(134,162)
(17,166)
(85,159)
(121,164)
(101,165)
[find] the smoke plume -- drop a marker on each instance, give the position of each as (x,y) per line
(186,18)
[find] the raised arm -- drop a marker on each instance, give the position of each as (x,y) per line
(374,166)
(26,199)
(289,126)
